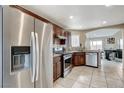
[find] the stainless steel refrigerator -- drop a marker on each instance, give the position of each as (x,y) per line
(25,50)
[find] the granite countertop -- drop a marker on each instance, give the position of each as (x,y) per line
(86,51)
(91,51)
(56,55)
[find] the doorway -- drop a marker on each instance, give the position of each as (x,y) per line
(109,41)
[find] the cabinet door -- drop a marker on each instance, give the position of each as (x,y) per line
(82,60)
(76,60)
(57,31)
(79,59)
(58,69)
(54,71)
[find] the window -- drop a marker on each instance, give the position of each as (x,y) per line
(96,45)
(75,41)
(121,43)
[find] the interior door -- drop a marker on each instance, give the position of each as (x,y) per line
(17,28)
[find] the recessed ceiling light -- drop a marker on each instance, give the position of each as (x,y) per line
(71,17)
(80,26)
(104,22)
(107,5)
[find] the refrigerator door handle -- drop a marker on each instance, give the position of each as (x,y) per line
(33,56)
(37,56)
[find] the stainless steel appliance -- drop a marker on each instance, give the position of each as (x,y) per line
(91,59)
(67,64)
(25,50)
(66,60)
(0,47)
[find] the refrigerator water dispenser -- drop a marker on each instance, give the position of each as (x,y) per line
(20,57)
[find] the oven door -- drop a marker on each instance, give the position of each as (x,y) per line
(67,62)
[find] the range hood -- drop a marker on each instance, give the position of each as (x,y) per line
(61,37)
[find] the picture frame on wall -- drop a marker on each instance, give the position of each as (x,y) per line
(111,40)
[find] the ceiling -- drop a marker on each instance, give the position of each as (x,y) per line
(80,17)
(101,33)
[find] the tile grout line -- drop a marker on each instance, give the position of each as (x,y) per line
(91,79)
(120,79)
(106,79)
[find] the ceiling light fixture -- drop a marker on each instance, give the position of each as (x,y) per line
(107,5)
(71,17)
(80,26)
(104,22)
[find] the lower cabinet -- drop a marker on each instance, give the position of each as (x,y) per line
(58,72)
(57,66)
(54,71)
(78,58)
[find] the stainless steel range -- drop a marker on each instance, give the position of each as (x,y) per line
(66,60)
(67,64)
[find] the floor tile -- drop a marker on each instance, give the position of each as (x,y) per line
(58,86)
(67,83)
(84,79)
(98,83)
(110,74)
(80,85)
(115,83)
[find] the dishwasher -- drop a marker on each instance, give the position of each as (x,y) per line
(91,59)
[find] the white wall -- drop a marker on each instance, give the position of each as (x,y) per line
(106,46)
(123,46)
(121,27)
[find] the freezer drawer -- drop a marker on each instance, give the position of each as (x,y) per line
(91,59)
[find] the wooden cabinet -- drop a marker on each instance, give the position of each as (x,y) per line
(54,71)
(58,67)
(66,34)
(79,58)
(57,72)
(57,31)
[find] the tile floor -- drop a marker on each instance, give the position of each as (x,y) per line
(108,75)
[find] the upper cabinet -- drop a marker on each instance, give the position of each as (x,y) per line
(60,32)
(60,36)
(57,31)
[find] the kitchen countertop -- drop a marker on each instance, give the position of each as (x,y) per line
(86,51)
(56,55)
(91,51)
